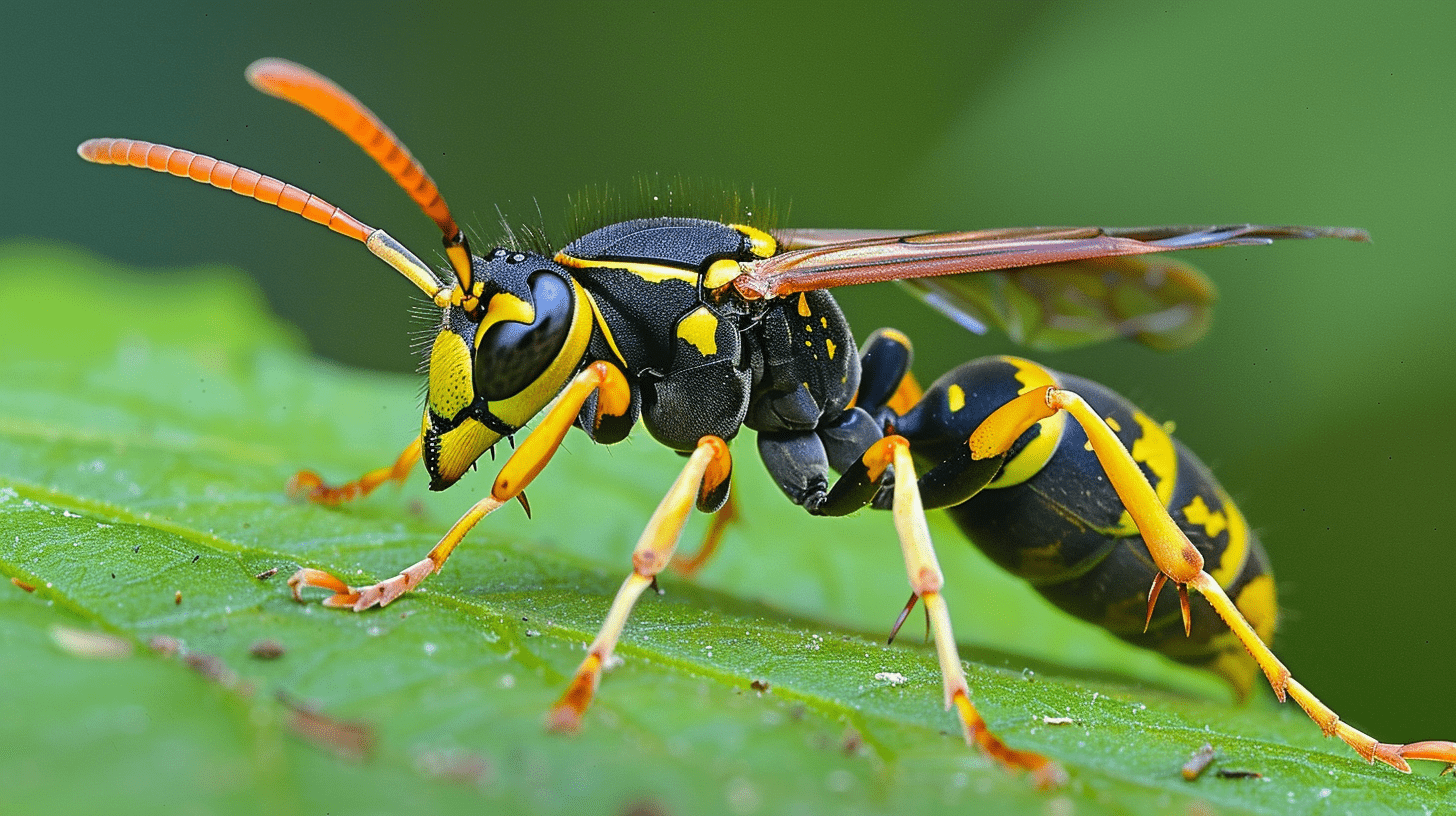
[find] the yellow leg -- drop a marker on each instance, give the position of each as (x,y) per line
(707,467)
(906,395)
(523,466)
(688,565)
(1181,562)
(1328,721)
(382,593)
(926,581)
(311,486)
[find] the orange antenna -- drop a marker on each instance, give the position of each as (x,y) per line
(321,97)
(226,176)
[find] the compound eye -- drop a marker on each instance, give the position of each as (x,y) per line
(512,355)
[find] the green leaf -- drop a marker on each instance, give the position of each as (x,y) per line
(148,422)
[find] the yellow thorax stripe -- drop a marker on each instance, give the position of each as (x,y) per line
(650,272)
(602,324)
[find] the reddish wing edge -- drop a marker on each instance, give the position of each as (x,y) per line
(823,259)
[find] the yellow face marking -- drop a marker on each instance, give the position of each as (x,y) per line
(1038,452)
(652,273)
(451,388)
(721,273)
(955,398)
(1113,423)
(504,307)
(700,330)
(760,243)
(824,321)
(462,445)
(804,305)
(829,344)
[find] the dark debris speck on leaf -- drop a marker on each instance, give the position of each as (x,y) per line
(267,650)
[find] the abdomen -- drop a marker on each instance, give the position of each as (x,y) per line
(1052,518)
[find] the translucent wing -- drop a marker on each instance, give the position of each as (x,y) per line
(1047,287)
(1161,302)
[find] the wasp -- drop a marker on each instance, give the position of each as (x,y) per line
(698,329)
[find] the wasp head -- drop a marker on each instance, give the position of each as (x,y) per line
(494,367)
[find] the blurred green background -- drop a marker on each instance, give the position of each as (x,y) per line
(1322,396)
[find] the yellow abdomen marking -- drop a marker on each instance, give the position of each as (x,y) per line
(1032,458)
(1259,602)
(955,398)
(700,329)
(1155,449)
(1231,561)
(1029,374)
(1212,521)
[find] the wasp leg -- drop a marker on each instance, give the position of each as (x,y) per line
(1180,561)
(885,378)
(704,478)
(530,457)
(311,486)
(856,488)
(1329,722)
(688,565)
